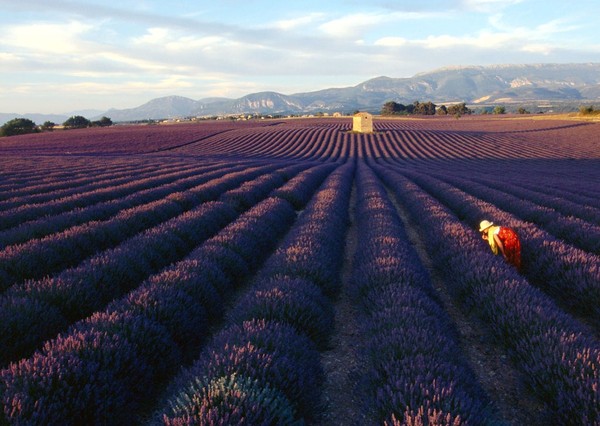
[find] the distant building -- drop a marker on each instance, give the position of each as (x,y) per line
(362,122)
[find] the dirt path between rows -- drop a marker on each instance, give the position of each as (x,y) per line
(341,404)
(502,383)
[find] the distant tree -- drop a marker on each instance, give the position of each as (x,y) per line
(106,122)
(77,122)
(48,126)
(431,108)
(522,111)
(103,122)
(499,109)
(415,107)
(460,108)
(423,108)
(388,108)
(393,108)
(18,126)
(442,110)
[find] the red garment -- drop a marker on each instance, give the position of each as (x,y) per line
(512,246)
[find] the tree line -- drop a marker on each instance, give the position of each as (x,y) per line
(22,126)
(429,108)
(424,108)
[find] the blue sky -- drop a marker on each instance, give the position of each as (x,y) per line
(59,56)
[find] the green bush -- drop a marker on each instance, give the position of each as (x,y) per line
(18,126)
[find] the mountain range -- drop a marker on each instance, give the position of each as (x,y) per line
(477,86)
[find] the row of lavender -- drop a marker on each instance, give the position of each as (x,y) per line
(568,201)
(412,370)
(120,140)
(581,232)
(559,358)
(39,257)
(34,205)
(325,143)
(37,188)
(263,367)
(21,175)
(457,148)
(570,275)
(509,139)
(42,219)
(109,367)
(562,179)
(415,141)
(64,187)
(569,190)
(36,310)
(551,178)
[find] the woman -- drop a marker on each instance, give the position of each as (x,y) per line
(504,240)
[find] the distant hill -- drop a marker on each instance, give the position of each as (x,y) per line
(167,107)
(476,85)
(568,84)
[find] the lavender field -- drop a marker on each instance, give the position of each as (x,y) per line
(281,272)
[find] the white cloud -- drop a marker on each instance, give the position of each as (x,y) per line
(172,40)
(132,62)
(502,36)
(300,21)
(167,50)
(488,6)
(64,38)
(539,48)
(153,36)
(354,24)
(90,88)
(8,59)
(351,24)
(391,42)
(556,26)
(484,40)
(357,25)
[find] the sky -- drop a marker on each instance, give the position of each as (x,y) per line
(62,56)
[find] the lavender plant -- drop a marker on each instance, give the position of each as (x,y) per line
(411,363)
(559,359)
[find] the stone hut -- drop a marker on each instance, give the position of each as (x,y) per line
(362,122)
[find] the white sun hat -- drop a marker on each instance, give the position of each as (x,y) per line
(485,225)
